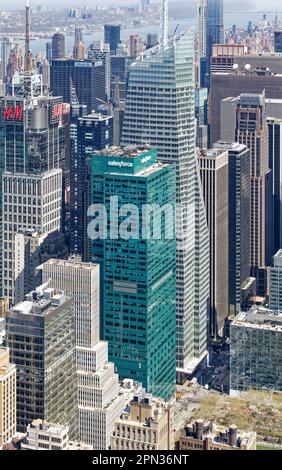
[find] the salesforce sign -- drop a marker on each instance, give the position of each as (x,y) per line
(120,164)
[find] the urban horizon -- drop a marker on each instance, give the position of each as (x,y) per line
(141,230)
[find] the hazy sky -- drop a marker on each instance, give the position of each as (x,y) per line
(260,4)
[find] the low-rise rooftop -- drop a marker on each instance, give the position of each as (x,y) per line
(126,151)
(259,317)
(225,145)
(41,301)
(231,436)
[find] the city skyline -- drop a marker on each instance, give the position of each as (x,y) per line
(141,229)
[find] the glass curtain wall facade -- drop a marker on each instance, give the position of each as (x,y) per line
(160,111)
(138,274)
(42,344)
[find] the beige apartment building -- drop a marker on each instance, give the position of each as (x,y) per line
(147,424)
(7,397)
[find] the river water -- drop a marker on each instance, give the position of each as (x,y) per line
(240,19)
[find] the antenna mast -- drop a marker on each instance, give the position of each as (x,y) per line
(27,59)
(164,24)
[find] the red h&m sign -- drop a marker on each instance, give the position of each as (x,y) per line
(57,111)
(13,114)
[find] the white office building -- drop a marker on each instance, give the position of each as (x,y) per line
(42,435)
(29,203)
(100,398)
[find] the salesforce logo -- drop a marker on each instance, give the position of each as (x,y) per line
(120,164)
(146,159)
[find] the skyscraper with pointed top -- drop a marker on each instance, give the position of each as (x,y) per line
(32,157)
(159,111)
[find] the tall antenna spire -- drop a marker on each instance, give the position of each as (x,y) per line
(164,24)
(27,59)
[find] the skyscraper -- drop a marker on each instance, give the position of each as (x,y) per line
(32,156)
(224,85)
(119,67)
(275,164)
(215,26)
(87,76)
(6,45)
(48,51)
(15,62)
(239,225)
(7,397)
(246,123)
(58,46)
(79,49)
(41,337)
(214,31)
(278,41)
(100,400)
(94,132)
(201,115)
(97,51)
(160,111)
(32,131)
(202,28)
(135,45)
(137,267)
(29,203)
(214,176)
(31,248)
(78,34)
(275,283)
(255,359)
(251,130)
(112,36)
(145,4)
(152,40)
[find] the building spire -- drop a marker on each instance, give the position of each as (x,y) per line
(27,58)
(164,24)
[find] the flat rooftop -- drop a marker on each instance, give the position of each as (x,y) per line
(95,117)
(224,145)
(273,100)
(75,263)
(127,151)
(212,153)
(260,318)
(40,302)
(253,73)
(41,425)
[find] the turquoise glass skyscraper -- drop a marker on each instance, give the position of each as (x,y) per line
(137,263)
(159,111)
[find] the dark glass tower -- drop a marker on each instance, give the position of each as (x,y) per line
(239,225)
(278,41)
(275,159)
(214,30)
(58,46)
(94,132)
(112,36)
(87,76)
